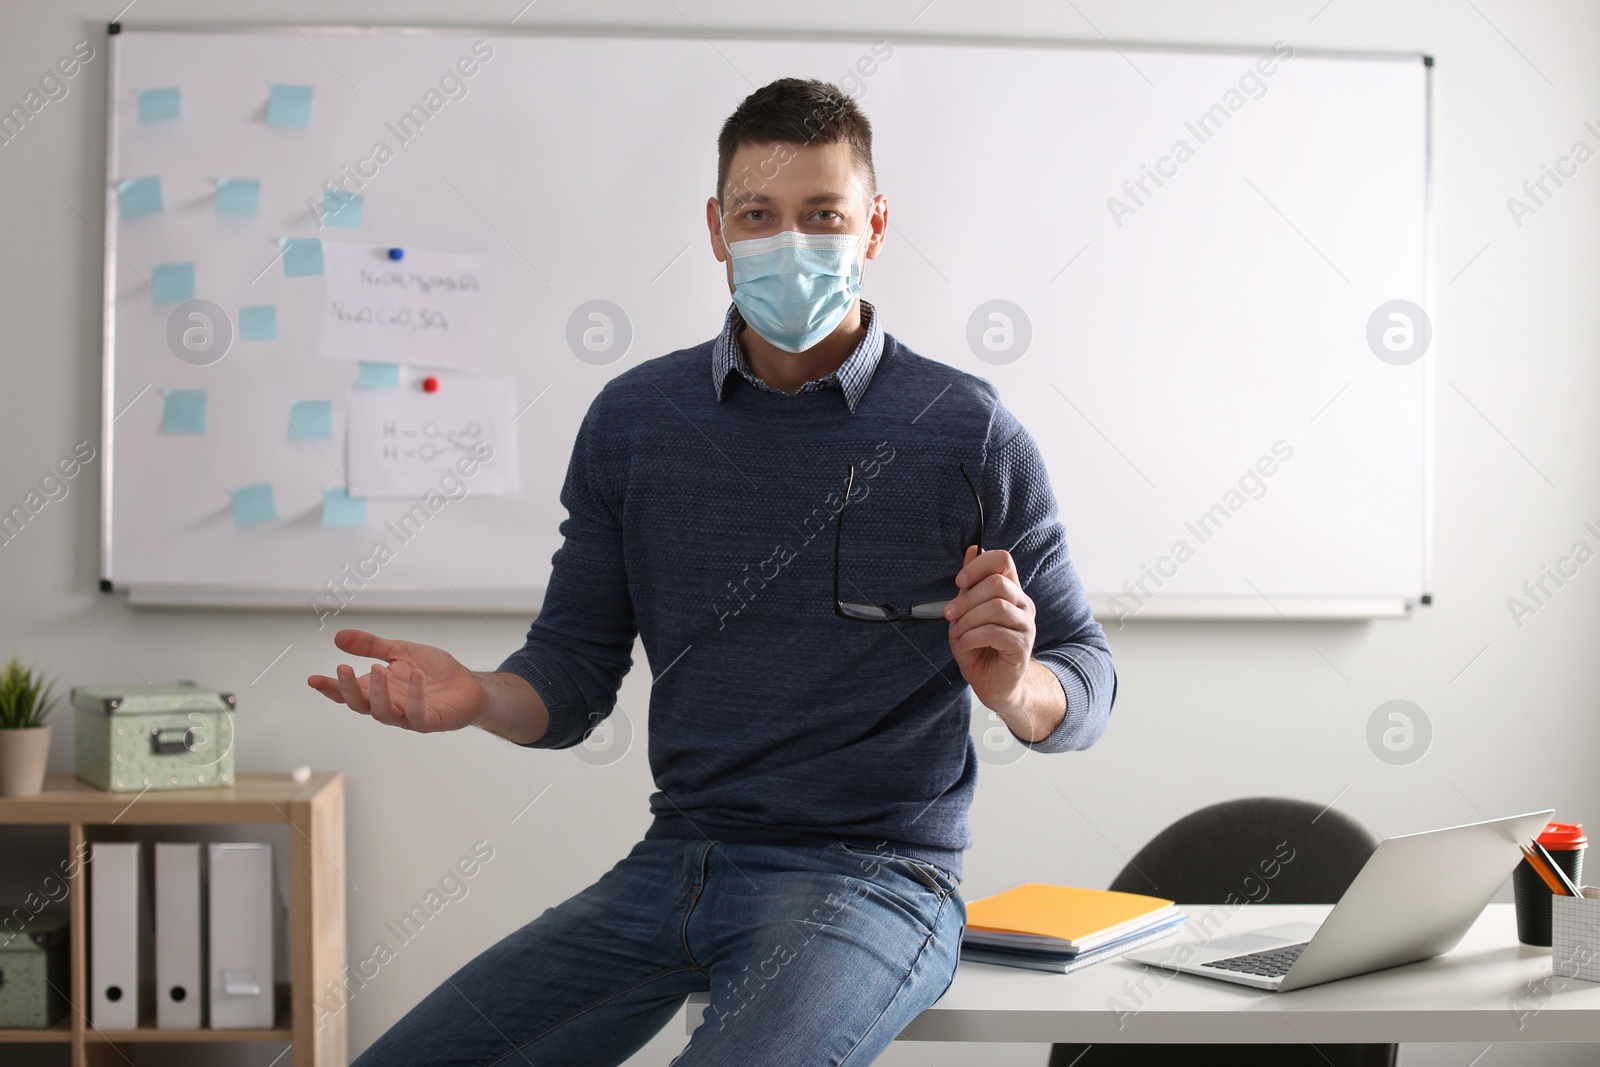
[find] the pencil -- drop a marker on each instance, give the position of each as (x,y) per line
(1543,872)
(1555,868)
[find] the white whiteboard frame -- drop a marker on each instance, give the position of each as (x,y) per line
(499,601)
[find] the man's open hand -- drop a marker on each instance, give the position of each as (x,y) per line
(423,688)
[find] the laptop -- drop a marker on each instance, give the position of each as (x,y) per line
(1414,899)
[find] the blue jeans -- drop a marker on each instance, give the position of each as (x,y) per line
(812,955)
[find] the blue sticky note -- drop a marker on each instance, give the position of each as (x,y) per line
(253,504)
(339,508)
(259,322)
(238,196)
(185,411)
(378,375)
(310,420)
(139,196)
(158,104)
(342,209)
(289,105)
(172,283)
(302,256)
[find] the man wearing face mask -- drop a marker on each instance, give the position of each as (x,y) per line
(827,544)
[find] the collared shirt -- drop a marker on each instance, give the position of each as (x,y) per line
(851,376)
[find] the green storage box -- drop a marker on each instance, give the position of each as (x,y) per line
(135,737)
(33,967)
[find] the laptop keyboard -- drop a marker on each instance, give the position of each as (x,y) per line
(1272,963)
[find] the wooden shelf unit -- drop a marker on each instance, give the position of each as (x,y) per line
(314,813)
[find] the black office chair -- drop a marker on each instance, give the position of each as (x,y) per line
(1214,856)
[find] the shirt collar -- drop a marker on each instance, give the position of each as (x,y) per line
(851,376)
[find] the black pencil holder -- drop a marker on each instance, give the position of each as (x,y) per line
(1533,896)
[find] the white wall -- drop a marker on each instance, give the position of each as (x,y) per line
(1282,708)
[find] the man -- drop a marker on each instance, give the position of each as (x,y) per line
(784,515)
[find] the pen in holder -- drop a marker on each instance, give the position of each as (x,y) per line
(1575,935)
(1565,845)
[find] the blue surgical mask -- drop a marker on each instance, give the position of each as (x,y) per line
(794,288)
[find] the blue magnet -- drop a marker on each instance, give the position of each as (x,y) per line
(397,254)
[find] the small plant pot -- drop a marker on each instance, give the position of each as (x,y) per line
(23,754)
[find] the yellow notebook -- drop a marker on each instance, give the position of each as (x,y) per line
(1065,914)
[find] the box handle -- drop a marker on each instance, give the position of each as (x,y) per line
(165,742)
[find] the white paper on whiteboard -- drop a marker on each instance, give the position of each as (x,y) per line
(407,443)
(429,308)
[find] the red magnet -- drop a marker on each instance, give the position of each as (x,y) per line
(430,385)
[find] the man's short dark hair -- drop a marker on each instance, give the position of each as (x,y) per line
(798,111)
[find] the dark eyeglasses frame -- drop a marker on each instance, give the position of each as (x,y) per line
(889,614)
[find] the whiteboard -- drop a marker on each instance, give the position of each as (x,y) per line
(1190,351)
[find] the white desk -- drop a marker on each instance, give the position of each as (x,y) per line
(1486,989)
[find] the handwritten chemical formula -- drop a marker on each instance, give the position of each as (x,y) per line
(406,442)
(428,443)
(432,312)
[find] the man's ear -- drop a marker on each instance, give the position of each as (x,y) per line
(717,238)
(875,242)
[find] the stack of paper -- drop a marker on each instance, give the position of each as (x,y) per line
(1061,928)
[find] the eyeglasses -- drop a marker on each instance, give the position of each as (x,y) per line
(922,611)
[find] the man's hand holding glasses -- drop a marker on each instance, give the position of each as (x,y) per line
(991,622)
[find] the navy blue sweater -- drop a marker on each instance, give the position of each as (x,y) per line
(706,527)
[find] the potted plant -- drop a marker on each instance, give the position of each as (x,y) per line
(25,700)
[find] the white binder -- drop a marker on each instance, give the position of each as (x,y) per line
(180,978)
(114,935)
(242,929)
